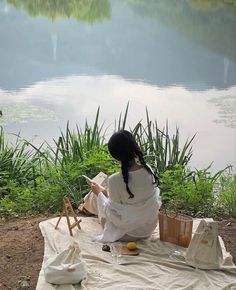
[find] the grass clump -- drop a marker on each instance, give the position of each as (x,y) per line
(35,179)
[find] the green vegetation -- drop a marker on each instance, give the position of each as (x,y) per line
(35,179)
(193,192)
(89,11)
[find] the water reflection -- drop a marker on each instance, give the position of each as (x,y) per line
(208,23)
(164,43)
(89,11)
(76,98)
(175,56)
(226,110)
(210,4)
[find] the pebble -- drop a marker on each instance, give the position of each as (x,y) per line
(24,283)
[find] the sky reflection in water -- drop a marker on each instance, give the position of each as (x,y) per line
(175,57)
(77,98)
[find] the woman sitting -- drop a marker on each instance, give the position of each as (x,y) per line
(131,210)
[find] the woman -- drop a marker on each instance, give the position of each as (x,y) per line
(131,211)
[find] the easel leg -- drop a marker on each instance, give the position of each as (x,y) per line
(67,210)
(63,211)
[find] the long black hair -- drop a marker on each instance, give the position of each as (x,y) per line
(123,147)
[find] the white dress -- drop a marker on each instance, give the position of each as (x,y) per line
(136,217)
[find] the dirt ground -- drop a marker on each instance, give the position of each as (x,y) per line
(21,250)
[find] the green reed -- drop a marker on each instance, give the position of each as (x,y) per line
(73,146)
(161,150)
(18,161)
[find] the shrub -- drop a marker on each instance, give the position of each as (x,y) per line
(189,191)
(18,201)
(227,195)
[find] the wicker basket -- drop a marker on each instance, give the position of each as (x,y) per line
(175,228)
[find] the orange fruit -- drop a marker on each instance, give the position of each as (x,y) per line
(131,246)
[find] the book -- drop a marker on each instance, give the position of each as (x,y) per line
(89,181)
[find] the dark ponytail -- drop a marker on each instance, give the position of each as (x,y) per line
(123,147)
(125,173)
(143,163)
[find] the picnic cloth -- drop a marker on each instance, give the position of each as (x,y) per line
(153,269)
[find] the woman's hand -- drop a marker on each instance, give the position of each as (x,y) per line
(95,188)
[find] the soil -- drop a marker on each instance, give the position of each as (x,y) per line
(22,246)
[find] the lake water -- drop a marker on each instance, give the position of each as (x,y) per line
(177,58)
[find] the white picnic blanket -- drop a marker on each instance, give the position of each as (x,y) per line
(153,269)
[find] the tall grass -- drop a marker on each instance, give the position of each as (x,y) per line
(73,146)
(227,193)
(41,176)
(161,150)
(19,161)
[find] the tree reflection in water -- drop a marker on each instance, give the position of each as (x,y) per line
(89,11)
(209,23)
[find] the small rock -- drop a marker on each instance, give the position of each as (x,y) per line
(8,256)
(228,224)
(24,285)
(106,248)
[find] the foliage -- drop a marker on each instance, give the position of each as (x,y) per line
(89,11)
(18,201)
(18,162)
(74,146)
(189,191)
(227,194)
(35,179)
(161,150)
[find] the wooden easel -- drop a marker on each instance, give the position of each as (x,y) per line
(68,211)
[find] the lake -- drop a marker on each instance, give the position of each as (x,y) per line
(177,58)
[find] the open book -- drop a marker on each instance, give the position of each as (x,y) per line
(101,179)
(90,200)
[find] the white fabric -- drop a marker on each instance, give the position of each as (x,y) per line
(66,267)
(136,220)
(204,251)
(140,183)
(153,269)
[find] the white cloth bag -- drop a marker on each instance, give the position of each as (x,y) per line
(204,250)
(66,267)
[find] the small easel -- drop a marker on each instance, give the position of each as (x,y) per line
(68,211)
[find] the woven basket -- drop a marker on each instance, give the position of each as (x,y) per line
(175,228)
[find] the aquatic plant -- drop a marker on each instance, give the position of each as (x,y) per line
(35,179)
(161,150)
(18,161)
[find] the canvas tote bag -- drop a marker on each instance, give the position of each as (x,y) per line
(66,267)
(204,250)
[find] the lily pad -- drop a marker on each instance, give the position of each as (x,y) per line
(226,110)
(23,113)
